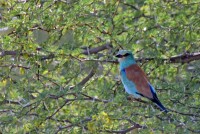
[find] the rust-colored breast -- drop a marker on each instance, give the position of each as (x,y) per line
(135,74)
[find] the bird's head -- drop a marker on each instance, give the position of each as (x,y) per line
(123,55)
(125,58)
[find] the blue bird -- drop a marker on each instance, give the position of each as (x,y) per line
(135,80)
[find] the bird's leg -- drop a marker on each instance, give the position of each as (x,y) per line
(130,98)
(138,99)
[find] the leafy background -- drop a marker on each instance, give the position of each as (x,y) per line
(58,73)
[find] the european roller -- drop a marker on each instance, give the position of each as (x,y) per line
(134,79)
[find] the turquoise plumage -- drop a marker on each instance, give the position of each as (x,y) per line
(134,79)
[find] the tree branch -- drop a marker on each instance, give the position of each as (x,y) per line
(13,53)
(57,110)
(10,102)
(14,65)
(71,125)
(95,50)
(132,6)
(87,78)
(94,99)
(185,58)
(80,84)
(135,126)
(182,58)
(187,114)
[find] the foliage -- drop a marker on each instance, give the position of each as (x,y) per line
(59,73)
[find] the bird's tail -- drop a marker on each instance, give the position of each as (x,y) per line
(159,104)
(156,100)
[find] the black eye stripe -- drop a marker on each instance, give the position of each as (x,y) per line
(120,56)
(126,54)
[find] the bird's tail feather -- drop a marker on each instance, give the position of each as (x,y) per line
(156,100)
(159,104)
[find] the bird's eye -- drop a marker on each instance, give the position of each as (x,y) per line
(127,54)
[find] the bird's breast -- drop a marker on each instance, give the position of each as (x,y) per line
(129,85)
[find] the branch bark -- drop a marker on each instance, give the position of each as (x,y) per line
(135,126)
(95,50)
(182,58)
(72,125)
(185,58)
(87,78)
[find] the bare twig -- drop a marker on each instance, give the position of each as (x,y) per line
(71,125)
(135,126)
(107,61)
(80,84)
(185,58)
(14,65)
(182,58)
(87,78)
(10,102)
(57,110)
(93,98)
(3,53)
(95,50)
(181,113)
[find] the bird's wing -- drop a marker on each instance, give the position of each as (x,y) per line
(135,74)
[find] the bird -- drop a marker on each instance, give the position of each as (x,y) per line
(135,80)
